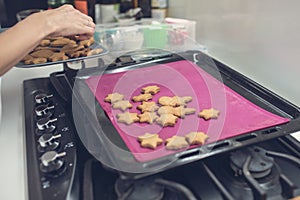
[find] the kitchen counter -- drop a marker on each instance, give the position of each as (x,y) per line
(12,147)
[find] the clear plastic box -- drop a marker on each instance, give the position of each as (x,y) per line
(147,34)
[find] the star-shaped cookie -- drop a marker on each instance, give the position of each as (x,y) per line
(114,97)
(148,106)
(150,141)
(176,143)
(181,101)
(174,101)
(166,101)
(182,111)
(165,110)
(127,118)
(148,117)
(209,113)
(142,97)
(195,138)
(167,120)
(152,89)
(122,105)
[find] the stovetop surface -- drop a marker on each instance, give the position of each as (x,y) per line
(198,178)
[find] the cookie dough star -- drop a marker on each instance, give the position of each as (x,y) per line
(148,106)
(195,138)
(114,97)
(148,117)
(166,120)
(176,143)
(209,113)
(122,105)
(152,89)
(127,118)
(150,141)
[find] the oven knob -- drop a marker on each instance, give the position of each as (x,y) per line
(42,98)
(43,110)
(45,123)
(51,161)
(49,140)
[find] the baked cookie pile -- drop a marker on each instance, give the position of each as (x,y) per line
(165,112)
(52,49)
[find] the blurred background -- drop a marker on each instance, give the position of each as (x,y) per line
(258,38)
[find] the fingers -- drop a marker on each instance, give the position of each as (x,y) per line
(69,21)
(86,20)
(89,23)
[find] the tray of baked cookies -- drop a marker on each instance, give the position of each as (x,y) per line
(56,50)
(154,115)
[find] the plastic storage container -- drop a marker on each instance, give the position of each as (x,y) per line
(147,34)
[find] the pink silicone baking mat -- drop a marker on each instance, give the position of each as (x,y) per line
(181,78)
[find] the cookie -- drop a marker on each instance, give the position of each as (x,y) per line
(52,38)
(182,111)
(174,101)
(152,89)
(114,97)
(62,42)
(35,61)
(54,49)
(127,118)
(46,53)
(166,101)
(150,141)
(167,120)
(122,105)
(88,42)
(142,97)
(94,51)
(76,54)
(27,57)
(209,114)
(177,111)
(57,57)
(182,101)
(195,138)
(165,110)
(44,42)
(148,117)
(176,143)
(148,106)
(71,48)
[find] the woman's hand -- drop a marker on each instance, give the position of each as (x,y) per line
(19,40)
(66,21)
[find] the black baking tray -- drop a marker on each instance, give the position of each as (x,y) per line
(93,46)
(103,149)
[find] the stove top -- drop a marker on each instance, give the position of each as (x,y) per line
(267,171)
(59,167)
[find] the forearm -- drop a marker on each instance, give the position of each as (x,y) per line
(20,39)
(14,46)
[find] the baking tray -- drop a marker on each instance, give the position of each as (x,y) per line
(104,142)
(93,46)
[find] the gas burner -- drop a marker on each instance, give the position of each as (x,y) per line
(152,188)
(260,163)
(145,189)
